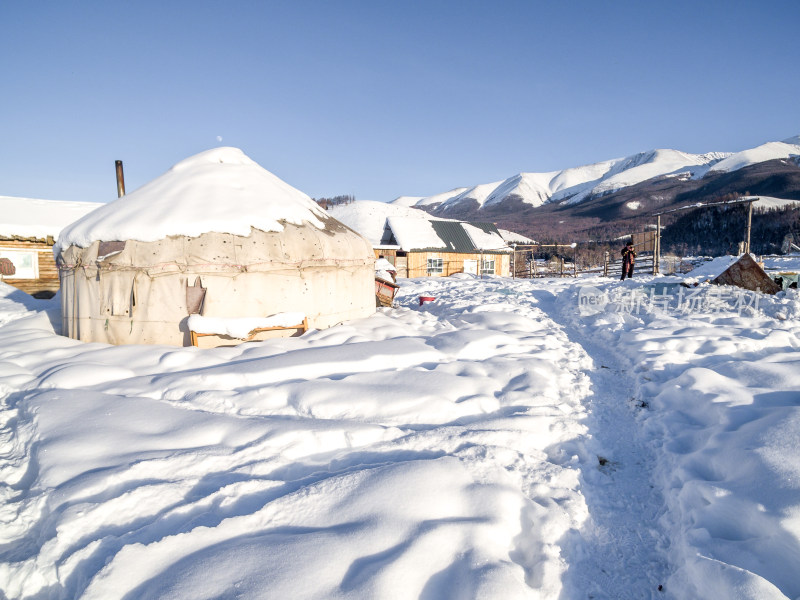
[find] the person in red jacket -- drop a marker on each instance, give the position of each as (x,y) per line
(628,259)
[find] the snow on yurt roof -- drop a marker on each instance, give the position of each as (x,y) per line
(220,190)
(35,218)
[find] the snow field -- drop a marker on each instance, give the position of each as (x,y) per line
(721,395)
(498,442)
(425,452)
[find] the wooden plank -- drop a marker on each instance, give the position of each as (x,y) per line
(193,335)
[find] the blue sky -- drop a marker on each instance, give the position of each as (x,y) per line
(381,99)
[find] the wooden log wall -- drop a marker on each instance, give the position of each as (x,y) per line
(48,272)
(389,255)
(454,263)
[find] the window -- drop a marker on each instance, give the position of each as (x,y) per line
(487,266)
(435,266)
(25,261)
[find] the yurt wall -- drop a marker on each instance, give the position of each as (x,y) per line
(141,293)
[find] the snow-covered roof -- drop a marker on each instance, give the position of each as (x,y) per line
(446,236)
(220,190)
(484,238)
(515,238)
(414,229)
(36,218)
(368,217)
(414,234)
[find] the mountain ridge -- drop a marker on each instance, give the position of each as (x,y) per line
(578,184)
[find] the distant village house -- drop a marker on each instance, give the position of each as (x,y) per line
(28,230)
(433,248)
(421,246)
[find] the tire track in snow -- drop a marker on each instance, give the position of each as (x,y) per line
(621,551)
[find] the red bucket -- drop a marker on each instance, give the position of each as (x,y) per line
(425,299)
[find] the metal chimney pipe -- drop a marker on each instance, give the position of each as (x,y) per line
(120,179)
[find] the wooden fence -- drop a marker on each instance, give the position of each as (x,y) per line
(566,260)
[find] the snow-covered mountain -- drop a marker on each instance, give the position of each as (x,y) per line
(577,184)
(429,200)
(762,153)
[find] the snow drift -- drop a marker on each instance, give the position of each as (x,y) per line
(498,443)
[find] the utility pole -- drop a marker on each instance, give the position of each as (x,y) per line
(575,262)
(749,224)
(657,247)
(514,261)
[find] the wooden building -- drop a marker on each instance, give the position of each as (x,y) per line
(28,230)
(419,245)
(438,248)
(35,269)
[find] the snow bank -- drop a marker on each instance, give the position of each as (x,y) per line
(196,196)
(502,442)
(423,452)
(788,263)
(718,386)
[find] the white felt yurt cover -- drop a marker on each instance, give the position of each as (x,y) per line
(216,234)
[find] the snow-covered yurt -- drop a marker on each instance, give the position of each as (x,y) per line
(217,236)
